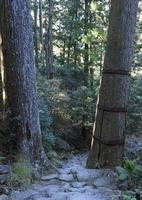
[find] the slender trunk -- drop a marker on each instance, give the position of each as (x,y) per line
(109,130)
(50,40)
(35,32)
(75,42)
(69,49)
(70,38)
(86,53)
(1,81)
(41,32)
(40,22)
(64,51)
(20,79)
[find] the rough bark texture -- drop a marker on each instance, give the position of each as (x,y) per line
(20,79)
(50,40)
(36,32)
(109,130)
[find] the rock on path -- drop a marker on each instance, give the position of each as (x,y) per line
(73,182)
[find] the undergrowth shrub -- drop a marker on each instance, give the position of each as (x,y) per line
(64,100)
(130,175)
(21,174)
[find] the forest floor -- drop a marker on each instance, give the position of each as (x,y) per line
(73,182)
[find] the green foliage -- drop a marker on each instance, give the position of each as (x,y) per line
(2,158)
(49,140)
(135,102)
(64,101)
(122,173)
(128,196)
(21,174)
(132,173)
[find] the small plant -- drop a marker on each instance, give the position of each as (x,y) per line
(2,158)
(21,174)
(128,196)
(132,173)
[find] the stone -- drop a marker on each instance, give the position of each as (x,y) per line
(4,169)
(89,175)
(26,195)
(53,189)
(4,190)
(78,184)
(49,177)
(102,182)
(82,196)
(66,187)
(4,178)
(54,182)
(66,170)
(41,198)
(74,182)
(66,177)
(60,196)
(89,189)
(75,190)
(4,197)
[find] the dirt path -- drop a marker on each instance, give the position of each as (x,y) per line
(73,182)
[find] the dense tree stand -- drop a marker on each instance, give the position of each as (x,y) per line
(109,130)
(20,80)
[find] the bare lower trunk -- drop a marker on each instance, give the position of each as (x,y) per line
(109,130)
(20,79)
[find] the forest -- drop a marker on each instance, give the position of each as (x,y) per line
(70,100)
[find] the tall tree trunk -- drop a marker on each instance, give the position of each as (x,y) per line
(64,51)
(20,79)
(40,22)
(86,53)
(70,38)
(1,80)
(77,2)
(41,32)
(109,130)
(50,40)
(36,32)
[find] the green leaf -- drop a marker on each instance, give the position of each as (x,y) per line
(122,173)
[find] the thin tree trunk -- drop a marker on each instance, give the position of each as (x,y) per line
(40,22)
(86,54)
(36,32)
(41,32)
(50,40)
(109,130)
(1,82)
(64,51)
(69,43)
(75,42)
(20,79)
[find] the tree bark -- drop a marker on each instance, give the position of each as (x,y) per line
(50,40)
(41,32)
(1,81)
(76,6)
(40,22)
(109,130)
(20,79)
(36,32)
(86,53)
